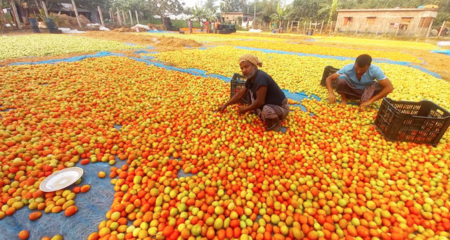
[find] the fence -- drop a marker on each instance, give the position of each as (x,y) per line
(324,28)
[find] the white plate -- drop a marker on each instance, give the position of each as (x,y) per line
(61,179)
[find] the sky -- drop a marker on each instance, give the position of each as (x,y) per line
(191,3)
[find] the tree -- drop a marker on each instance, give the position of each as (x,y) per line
(231,5)
(331,9)
(164,7)
(266,8)
(225,6)
(306,9)
(198,13)
(280,15)
(210,4)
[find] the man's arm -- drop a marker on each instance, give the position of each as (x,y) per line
(260,100)
(329,81)
(386,86)
(238,96)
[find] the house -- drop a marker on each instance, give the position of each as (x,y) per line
(398,21)
(67,8)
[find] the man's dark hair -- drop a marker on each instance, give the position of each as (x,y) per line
(364,60)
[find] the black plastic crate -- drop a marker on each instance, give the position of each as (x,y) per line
(419,122)
(238,83)
(329,70)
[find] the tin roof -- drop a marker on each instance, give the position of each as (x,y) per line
(67,7)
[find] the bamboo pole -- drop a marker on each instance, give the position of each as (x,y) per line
(101,15)
(321,27)
(304,27)
(37,5)
(16,15)
(118,17)
(429,28)
(137,16)
(442,28)
(123,15)
(76,13)
(131,17)
(45,8)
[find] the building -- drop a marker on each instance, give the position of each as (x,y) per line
(67,8)
(233,17)
(398,21)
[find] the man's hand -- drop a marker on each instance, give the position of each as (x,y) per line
(241,110)
(331,98)
(221,108)
(366,103)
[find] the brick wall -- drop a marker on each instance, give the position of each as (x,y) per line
(406,22)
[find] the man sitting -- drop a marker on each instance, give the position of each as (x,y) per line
(266,97)
(357,81)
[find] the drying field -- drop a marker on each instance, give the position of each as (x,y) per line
(137,112)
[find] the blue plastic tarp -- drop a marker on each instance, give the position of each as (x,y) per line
(379,60)
(92,208)
(446,52)
(93,205)
(198,72)
(156,31)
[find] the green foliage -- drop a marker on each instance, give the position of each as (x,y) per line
(280,15)
(232,6)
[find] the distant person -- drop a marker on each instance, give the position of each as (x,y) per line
(190,25)
(201,25)
(212,26)
(217,24)
(357,81)
(206,26)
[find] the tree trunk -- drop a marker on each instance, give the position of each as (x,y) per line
(131,17)
(45,9)
(137,16)
(100,15)
(76,13)
(118,17)
(37,5)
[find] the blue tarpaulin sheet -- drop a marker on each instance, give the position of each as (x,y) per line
(92,208)
(197,72)
(446,52)
(343,59)
(156,31)
(93,205)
